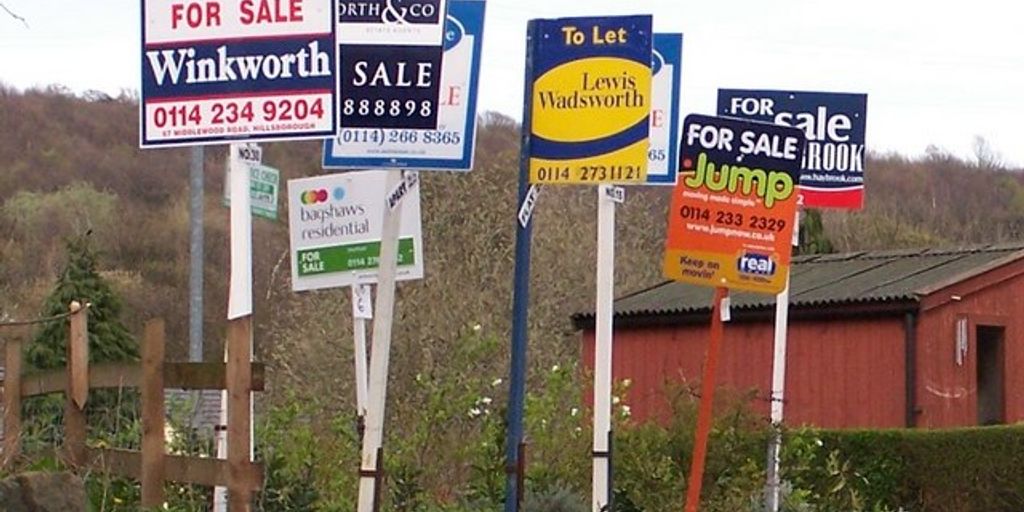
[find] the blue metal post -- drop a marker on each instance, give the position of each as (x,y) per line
(520,300)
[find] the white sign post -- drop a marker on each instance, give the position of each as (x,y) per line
(362,310)
(373,437)
(607,197)
(377,46)
(779,387)
(241,157)
(661,170)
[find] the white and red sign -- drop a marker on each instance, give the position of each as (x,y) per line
(236,70)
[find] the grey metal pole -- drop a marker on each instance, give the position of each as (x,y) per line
(195,282)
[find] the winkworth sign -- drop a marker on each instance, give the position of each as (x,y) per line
(218,70)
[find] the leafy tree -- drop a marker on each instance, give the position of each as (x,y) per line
(109,340)
(813,239)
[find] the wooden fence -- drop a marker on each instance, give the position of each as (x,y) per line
(152,465)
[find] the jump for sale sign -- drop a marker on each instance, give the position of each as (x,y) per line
(253,70)
(734,206)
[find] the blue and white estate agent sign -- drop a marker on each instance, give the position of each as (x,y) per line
(451,145)
(667,63)
(252,70)
(389,63)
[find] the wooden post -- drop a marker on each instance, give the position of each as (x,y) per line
(77,390)
(12,401)
(239,386)
(153,415)
(707,396)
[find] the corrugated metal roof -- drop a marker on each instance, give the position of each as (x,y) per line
(833,279)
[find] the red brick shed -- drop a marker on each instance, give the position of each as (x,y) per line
(917,338)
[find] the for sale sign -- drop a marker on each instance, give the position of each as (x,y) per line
(264,183)
(832,173)
(335,228)
(217,70)
(590,105)
(389,70)
(666,68)
(451,145)
(734,207)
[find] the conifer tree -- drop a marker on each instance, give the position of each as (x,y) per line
(813,239)
(109,340)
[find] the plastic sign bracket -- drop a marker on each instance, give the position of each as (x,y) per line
(529,203)
(250,153)
(616,194)
(409,181)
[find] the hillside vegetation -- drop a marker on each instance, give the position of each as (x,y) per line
(71,164)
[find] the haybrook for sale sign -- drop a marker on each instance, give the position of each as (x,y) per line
(590,99)
(832,174)
(253,70)
(734,207)
(335,228)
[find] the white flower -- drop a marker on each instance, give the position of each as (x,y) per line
(627,382)
(497,382)
(476,327)
(474,412)
(486,400)
(616,400)
(554,368)
(574,411)
(626,411)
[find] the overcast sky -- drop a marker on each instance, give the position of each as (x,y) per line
(936,72)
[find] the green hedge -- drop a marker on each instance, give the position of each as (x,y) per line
(958,470)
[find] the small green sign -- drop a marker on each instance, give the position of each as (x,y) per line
(346,258)
(264,184)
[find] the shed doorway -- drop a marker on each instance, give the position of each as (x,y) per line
(990,374)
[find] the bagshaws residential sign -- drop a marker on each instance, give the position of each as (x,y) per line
(335,227)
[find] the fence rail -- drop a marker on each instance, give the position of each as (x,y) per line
(152,466)
(187,376)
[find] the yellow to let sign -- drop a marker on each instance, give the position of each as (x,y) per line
(590,100)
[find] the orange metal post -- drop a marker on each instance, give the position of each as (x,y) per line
(707,395)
